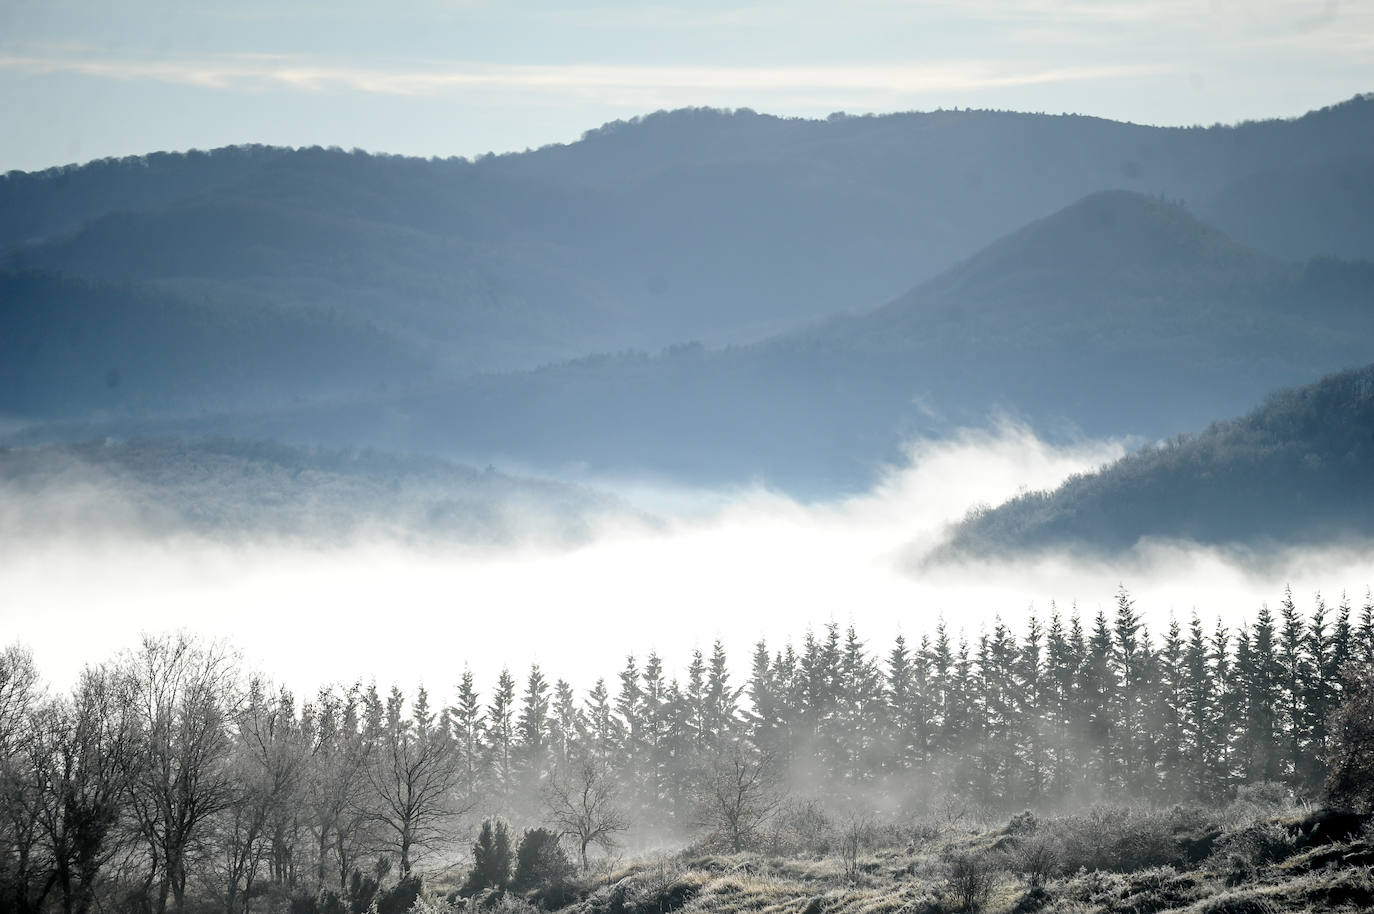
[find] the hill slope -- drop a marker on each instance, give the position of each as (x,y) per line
(75,348)
(1120,314)
(1299,468)
(253,489)
(684,225)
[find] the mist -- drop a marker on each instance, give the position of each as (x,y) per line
(676,570)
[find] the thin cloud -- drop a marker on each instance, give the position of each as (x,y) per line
(259,71)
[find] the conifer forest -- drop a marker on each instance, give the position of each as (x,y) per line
(166,778)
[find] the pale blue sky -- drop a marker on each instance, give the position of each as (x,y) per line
(81,79)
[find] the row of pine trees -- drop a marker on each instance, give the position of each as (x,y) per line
(1068,711)
(165,774)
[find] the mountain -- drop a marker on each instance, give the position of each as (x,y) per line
(234,488)
(725,227)
(1121,314)
(1298,469)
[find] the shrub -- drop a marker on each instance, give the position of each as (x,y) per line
(543,868)
(802,826)
(855,837)
(969,878)
(1119,840)
(1240,852)
(400,898)
(1037,859)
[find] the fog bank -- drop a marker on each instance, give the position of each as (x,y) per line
(737,565)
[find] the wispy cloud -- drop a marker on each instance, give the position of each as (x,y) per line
(261,71)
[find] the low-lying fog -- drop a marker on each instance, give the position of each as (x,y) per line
(736,566)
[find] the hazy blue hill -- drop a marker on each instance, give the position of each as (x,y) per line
(1302,211)
(1299,468)
(72,348)
(1121,314)
(694,224)
(254,488)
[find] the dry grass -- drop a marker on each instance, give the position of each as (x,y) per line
(1248,865)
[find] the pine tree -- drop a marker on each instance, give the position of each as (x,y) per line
(602,731)
(531,751)
(721,701)
(1027,702)
(1293,720)
(499,728)
(900,737)
(1061,678)
(1131,655)
(1261,676)
(629,707)
(655,732)
(565,725)
(1166,717)
(1099,701)
(1319,690)
(1199,705)
(1227,718)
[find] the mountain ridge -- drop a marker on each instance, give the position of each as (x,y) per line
(726,227)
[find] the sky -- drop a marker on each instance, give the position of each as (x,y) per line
(86,79)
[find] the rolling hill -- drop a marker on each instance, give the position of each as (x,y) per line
(725,227)
(1121,314)
(1298,469)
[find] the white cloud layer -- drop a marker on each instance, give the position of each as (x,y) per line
(735,566)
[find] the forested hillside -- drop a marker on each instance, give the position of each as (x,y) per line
(1300,469)
(1121,314)
(181,778)
(693,224)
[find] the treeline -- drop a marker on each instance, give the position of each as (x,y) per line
(165,775)
(1289,472)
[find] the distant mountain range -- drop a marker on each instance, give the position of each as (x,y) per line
(497,311)
(1298,469)
(686,225)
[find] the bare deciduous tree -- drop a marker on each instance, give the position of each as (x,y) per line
(737,794)
(181,698)
(415,776)
(583,807)
(90,740)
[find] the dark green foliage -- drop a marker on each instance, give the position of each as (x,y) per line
(362,890)
(400,897)
(540,862)
(491,858)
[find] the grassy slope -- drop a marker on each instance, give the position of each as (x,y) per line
(1108,861)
